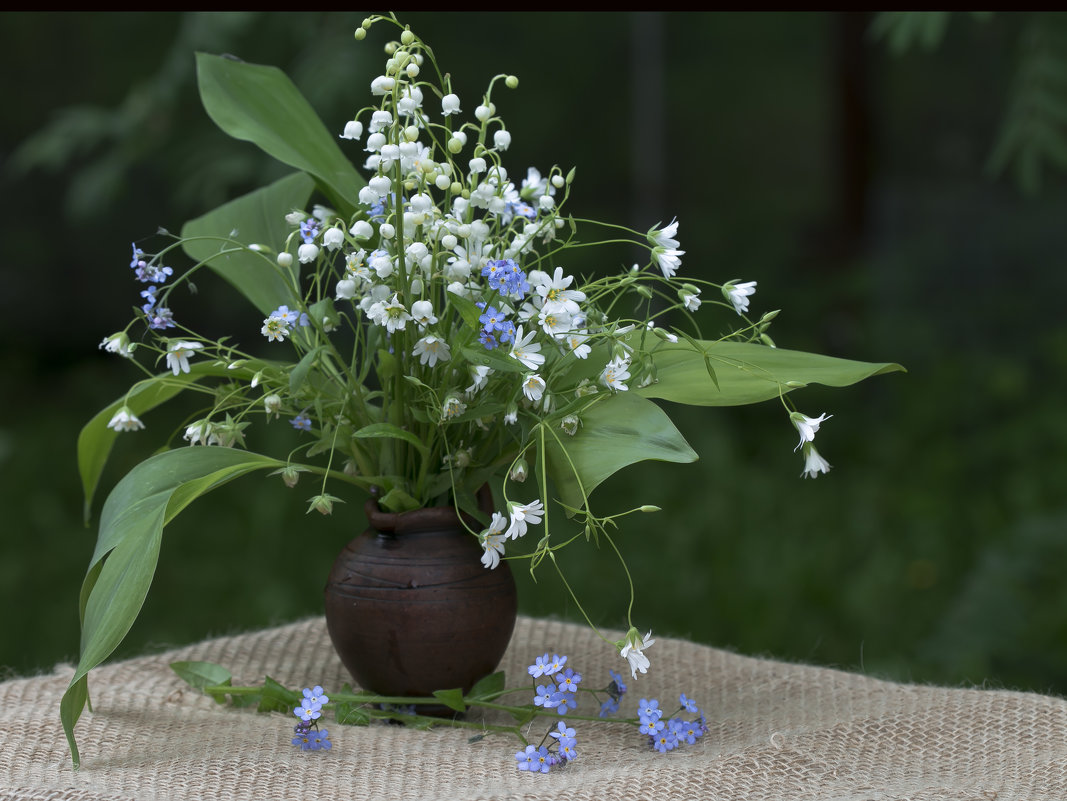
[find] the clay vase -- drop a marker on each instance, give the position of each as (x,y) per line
(410,607)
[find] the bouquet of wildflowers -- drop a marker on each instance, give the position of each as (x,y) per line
(421,332)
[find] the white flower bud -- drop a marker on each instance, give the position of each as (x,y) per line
(442,182)
(455,144)
(307,252)
(411,133)
(382,85)
(381,185)
(501,139)
(449,105)
(285,259)
(346,289)
(387,231)
(448,242)
(482,113)
(477,165)
(273,404)
(361,229)
(546,202)
(412,70)
(333,238)
(294,217)
(558,182)
(380,120)
(375,142)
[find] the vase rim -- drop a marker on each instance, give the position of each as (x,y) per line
(424,518)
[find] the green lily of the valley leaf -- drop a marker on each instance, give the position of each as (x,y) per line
(617,431)
(96,440)
(258,217)
(391,431)
(259,104)
(127,549)
(747,373)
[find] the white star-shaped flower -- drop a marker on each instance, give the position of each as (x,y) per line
(633,652)
(807,426)
(178,356)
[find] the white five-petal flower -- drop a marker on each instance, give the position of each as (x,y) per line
(807,426)
(178,356)
(493,541)
(431,350)
(523,514)
(633,650)
(738,294)
(125,420)
(813,463)
(526,350)
(615,373)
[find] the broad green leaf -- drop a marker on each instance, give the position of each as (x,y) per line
(396,500)
(202,674)
(258,217)
(747,373)
(303,367)
(259,104)
(453,699)
(498,360)
(388,430)
(488,688)
(616,431)
(127,549)
(96,439)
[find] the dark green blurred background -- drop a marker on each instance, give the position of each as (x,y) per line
(850,180)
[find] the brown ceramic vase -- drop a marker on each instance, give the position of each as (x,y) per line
(410,607)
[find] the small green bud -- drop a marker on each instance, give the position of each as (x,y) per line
(285,259)
(412,70)
(519,470)
(512,82)
(454,145)
(322,503)
(570,175)
(291,475)
(766,340)
(558,182)
(643,291)
(360,34)
(769,316)
(649,508)
(390,48)
(407,37)
(661,334)
(367,22)
(795,384)
(411,133)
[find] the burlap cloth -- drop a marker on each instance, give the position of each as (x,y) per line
(775,731)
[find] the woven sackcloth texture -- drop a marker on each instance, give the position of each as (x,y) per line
(775,731)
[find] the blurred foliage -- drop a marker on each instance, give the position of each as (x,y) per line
(929,553)
(1033,128)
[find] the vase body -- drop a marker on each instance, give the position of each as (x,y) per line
(411,609)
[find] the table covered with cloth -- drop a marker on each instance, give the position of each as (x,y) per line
(775,731)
